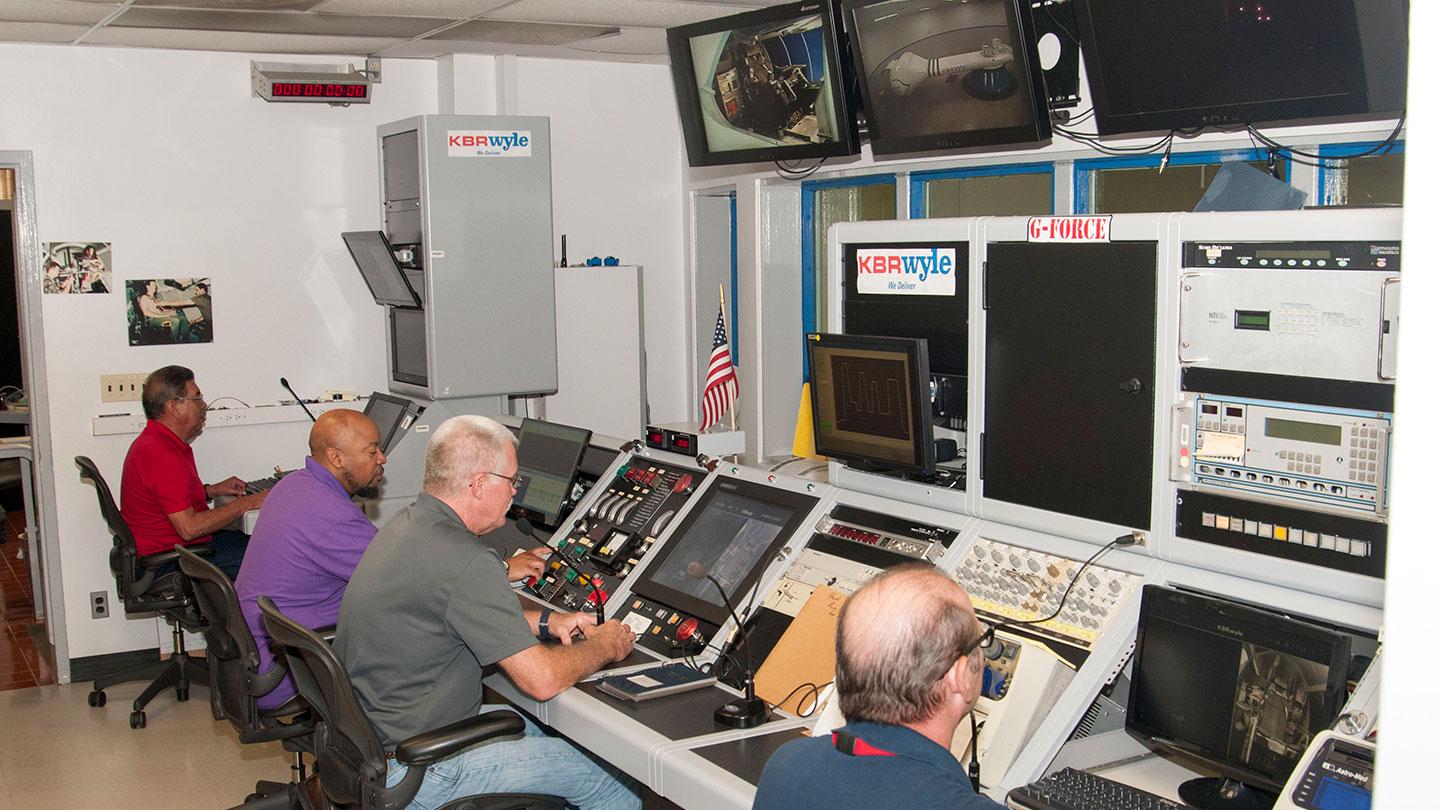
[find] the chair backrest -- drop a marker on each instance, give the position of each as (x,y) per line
(349,755)
(130,582)
(234,660)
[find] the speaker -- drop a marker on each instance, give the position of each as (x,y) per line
(1059,47)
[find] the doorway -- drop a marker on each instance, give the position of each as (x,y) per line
(28,654)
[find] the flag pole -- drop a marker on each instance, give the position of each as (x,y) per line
(728,337)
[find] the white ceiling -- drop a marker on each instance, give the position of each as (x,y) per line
(609,30)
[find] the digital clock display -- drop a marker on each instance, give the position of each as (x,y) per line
(330,91)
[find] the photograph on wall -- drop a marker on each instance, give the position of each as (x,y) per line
(77,267)
(165,311)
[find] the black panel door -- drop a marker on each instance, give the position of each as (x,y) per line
(1070,378)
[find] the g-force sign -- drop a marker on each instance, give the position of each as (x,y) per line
(905,271)
(487,143)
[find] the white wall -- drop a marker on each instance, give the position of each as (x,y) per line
(168,156)
(617,159)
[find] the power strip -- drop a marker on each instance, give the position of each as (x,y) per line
(129,424)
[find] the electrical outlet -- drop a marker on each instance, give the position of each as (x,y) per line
(99,604)
(121,387)
(338,395)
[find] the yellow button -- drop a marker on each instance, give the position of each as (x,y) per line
(1281,533)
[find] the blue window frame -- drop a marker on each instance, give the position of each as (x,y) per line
(1325,176)
(734,284)
(1085,169)
(919,181)
(808,259)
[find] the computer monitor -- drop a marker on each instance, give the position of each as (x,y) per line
(943,76)
(769,84)
(391,415)
(549,456)
(872,401)
(730,533)
(1156,67)
(1237,687)
(372,254)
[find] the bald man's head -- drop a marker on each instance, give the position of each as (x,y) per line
(347,443)
(898,638)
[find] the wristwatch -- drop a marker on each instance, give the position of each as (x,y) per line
(545,634)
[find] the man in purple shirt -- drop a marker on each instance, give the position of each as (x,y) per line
(310,534)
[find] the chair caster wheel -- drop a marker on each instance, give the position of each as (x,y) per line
(96,698)
(137,719)
(182,695)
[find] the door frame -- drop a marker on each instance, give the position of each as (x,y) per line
(29,276)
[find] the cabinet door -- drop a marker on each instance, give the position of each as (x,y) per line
(1070,379)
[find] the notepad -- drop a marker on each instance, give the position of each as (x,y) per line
(666,679)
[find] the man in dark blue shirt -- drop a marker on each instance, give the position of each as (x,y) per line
(907,671)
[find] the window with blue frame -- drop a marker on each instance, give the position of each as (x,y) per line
(984,191)
(1139,184)
(822,204)
(1358,174)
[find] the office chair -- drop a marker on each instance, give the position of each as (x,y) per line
(236,683)
(142,592)
(349,756)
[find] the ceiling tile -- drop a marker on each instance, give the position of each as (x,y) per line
(629,13)
(40,32)
(450,9)
(245,5)
(53,11)
(237,41)
(520,33)
(277,22)
(629,42)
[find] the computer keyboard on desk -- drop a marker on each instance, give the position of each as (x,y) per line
(1069,789)
(262,484)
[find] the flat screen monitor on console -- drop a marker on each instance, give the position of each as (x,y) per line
(734,529)
(1239,688)
(391,414)
(549,456)
(872,401)
(372,254)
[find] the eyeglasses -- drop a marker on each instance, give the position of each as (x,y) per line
(200,400)
(983,642)
(515,480)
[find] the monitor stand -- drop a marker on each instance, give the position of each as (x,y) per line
(1219,793)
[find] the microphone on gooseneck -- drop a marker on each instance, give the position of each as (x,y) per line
(528,529)
(749,711)
(286,384)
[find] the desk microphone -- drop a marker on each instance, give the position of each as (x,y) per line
(749,711)
(286,384)
(528,529)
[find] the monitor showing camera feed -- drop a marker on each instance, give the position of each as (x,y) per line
(1240,688)
(392,415)
(872,400)
(548,457)
(735,528)
(938,75)
(382,274)
(763,85)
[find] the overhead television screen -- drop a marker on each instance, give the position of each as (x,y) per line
(945,75)
(764,85)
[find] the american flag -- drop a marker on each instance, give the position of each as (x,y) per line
(720,383)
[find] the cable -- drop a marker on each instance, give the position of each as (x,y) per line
(211,403)
(814,697)
(1379,148)
(797,174)
(1121,541)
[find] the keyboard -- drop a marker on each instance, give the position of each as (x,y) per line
(263,484)
(1069,789)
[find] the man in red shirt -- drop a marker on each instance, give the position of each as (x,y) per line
(161,496)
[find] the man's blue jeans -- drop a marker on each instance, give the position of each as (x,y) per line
(535,763)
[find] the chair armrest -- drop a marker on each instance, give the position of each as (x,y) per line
(326,634)
(159,558)
(429,747)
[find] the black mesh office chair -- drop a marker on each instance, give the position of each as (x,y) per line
(141,592)
(236,683)
(349,756)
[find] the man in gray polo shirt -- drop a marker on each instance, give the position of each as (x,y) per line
(429,607)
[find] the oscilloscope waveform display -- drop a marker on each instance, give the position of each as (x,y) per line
(871,396)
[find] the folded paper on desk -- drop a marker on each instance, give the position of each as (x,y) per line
(804,655)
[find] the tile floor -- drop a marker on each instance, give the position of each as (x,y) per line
(57,752)
(22,664)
